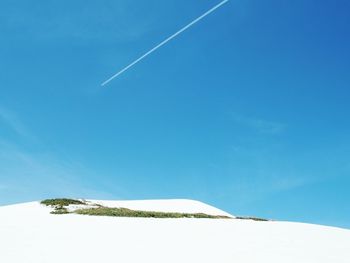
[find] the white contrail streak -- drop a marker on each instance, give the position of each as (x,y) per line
(164,42)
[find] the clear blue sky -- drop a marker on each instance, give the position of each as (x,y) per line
(247,111)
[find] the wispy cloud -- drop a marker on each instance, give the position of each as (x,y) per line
(258,171)
(255,185)
(10,119)
(84,20)
(38,175)
(260,125)
(28,173)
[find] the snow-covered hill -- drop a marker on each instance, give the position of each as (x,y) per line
(30,234)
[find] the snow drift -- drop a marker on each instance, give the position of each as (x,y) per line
(30,234)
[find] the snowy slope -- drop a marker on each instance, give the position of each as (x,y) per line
(30,234)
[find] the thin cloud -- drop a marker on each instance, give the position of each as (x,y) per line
(38,175)
(11,120)
(260,125)
(74,21)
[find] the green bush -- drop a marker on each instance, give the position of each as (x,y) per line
(251,218)
(60,210)
(62,202)
(59,204)
(125,212)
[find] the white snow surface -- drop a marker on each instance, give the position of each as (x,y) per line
(30,234)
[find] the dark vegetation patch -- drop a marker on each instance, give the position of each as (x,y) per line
(62,202)
(252,218)
(60,211)
(125,212)
(59,204)
(60,207)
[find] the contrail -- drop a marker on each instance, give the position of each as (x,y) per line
(164,42)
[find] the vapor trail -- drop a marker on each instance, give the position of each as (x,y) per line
(165,41)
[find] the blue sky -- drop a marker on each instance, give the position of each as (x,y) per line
(247,111)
